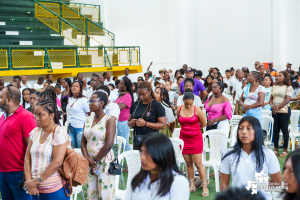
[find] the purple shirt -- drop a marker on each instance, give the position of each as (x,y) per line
(198,87)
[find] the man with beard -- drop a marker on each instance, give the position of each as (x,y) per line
(16,123)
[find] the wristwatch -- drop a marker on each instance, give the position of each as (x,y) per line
(95,160)
(40,178)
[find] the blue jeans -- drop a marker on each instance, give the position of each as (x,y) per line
(123,131)
(9,186)
(76,135)
(58,195)
(255,112)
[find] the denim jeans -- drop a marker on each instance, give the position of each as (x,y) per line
(76,135)
(123,131)
(58,195)
(9,186)
(255,112)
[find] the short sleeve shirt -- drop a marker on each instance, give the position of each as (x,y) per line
(252,97)
(157,111)
(198,87)
(127,99)
(77,110)
(13,131)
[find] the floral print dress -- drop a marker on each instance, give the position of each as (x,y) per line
(100,187)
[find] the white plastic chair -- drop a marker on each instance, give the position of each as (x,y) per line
(178,147)
(215,140)
(234,135)
(133,161)
(66,126)
(230,98)
(294,130)
(77,189)
(235,120)
(176,133)
(267,112)
(121,144)
(267,125)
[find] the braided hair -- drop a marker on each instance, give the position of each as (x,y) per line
(127,82)
(48,94)
(164,95)
(51,107)
(146,85)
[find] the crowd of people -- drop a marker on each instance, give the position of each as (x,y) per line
(33,140)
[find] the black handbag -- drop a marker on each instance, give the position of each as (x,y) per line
(115,168)
(214,126)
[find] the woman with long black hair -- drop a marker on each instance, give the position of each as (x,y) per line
(162,96)
(146,115)
(159,177)
(248,157)
(208,83)
(26,98)
(125,100)
(291,176)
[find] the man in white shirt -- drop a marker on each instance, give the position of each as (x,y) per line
(233,79)
(197,100)
(39,85)
(24,83)
(50,80)
(227,80)
(127,75)
(108,79)
(95,83)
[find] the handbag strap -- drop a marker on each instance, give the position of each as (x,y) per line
(134,114)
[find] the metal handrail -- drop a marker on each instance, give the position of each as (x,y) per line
(74,3)
(46,51)
(65,21)
(86,18)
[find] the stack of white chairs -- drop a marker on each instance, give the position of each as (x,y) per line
(294,129)
(121,145)
(133,161)
(235,120)
(267,125)
(66,126)
(215,140)
(267,112)
(230,98)
(77,189)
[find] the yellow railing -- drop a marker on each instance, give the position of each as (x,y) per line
(98,36)
(62,57)
(65,29)
(28,58)
(3,59)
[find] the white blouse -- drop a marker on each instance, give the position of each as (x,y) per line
(179,190)
(245,170)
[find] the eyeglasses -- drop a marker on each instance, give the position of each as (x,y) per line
(92,101)
(84,79)
(9,90)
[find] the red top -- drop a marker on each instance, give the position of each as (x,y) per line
(12,144)
(190,133)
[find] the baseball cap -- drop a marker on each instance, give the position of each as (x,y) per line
(160,71)
(270,63)
(289,63)
(189,69)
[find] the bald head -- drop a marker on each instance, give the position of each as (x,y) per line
(13,93)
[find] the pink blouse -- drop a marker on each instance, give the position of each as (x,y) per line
(217,110)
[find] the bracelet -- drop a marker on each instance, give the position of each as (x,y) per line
(146,124)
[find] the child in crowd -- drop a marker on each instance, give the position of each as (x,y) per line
(172,95)
(268,83)
(58,91)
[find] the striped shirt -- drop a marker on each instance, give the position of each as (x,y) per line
(41,157)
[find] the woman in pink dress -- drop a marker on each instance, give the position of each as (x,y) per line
(192,119)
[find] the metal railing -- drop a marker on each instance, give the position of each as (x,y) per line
(89,10)
(61,26)
(51,57)
(97,34)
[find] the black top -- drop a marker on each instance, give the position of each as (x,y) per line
(29,109)
(157,111)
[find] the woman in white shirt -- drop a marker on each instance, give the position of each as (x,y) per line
(161,95)
(26,98)
(159,177)
(248,157)
(77,110)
